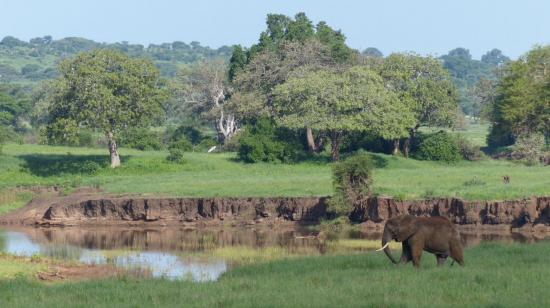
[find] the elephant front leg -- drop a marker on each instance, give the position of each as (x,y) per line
(406,256)
(416,252)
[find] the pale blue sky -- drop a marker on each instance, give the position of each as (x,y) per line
(425,26)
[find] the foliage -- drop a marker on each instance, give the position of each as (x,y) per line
(528,148)
(176,155)
(352,181)
(140,139)
(467,72)
(126,93)
(522,104)
(183,145)
(262,142)
(424,86)
(201,91)
(353,100)
(440,146)
(35,60)
(468,150)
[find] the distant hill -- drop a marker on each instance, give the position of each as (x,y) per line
(35,60)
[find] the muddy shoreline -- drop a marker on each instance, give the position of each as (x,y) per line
(93,208)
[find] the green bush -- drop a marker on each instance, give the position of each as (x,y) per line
(190,133)
(468,151)
(265,142)
(183,145)
(140,139)
(439,146)
(352,181)
(85,138)
(176,156)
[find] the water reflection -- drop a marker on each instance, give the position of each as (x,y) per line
(180,253)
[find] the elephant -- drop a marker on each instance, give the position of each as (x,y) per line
(436,235)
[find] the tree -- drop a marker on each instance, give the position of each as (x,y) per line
(373,52)
(203,89)
(522,103)
(425,87)
(341,102)
(495,58)
(483,96)
(108,91)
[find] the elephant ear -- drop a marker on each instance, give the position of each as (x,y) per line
(407,227)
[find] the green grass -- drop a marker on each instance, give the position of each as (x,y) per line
(209,175)
(495,275)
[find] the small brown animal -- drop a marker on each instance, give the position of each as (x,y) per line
(436,235)
(506,179)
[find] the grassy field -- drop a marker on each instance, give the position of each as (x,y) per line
(495,275)
(207,175)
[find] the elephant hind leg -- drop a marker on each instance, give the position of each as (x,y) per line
(441,259)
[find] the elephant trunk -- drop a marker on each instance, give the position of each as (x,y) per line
(386,239)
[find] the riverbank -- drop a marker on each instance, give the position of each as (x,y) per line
(91,207)
(495,275)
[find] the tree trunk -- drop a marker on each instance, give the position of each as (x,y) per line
(336,138)
(395,147)
(115,158)
(406,147)
(312,147)
(407,143)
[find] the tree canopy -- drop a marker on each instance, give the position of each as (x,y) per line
(105,90)
(341,102)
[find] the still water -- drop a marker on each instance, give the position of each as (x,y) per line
(199,255)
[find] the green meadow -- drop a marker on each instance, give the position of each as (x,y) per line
(495,275)
(220,174)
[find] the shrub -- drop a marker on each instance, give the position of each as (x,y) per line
(352,180)
(85,138)
(469,151)
(190,133)
(439,146)
(265,142)
(529,148)
(176,156)
(182,145)
(140,139)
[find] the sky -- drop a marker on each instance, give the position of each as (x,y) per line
(424,26)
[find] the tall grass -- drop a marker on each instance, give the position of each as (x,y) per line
(495,275)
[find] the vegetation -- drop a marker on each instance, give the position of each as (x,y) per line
(35,60)
(494,275)
(125,94)
(439,147)
(522,99)
(352,181)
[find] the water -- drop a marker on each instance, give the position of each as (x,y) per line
(199,255)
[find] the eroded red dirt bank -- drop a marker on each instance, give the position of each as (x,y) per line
(98,209)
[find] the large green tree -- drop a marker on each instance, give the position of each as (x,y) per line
(425,87)
(287,46)
(522,103)
(355,99)
(105,90)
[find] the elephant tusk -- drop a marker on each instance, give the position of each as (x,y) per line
(384,247)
